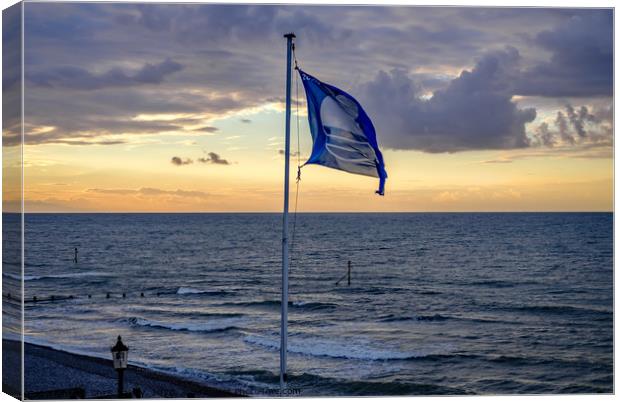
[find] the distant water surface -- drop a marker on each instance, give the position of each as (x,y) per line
(438,304)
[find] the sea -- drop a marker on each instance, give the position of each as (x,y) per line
(438,303)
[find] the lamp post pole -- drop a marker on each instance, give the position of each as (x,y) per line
(121,382)
(119,358)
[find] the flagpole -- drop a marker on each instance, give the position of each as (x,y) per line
(285,259)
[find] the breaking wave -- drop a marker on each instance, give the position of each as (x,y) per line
(342,350)
(212,326)
(57,276)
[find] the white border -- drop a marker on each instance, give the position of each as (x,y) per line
(479,3)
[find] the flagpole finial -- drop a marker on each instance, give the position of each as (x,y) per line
(290,35)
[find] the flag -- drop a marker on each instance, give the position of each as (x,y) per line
(342,134)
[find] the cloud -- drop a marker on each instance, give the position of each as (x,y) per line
(244,23)
(11,75)
(207,129)
(563,129)
(84,142)
(474,111)
(476,193)
(112,112)
(214,158)
(578,120)
(576,126)
(247,121)
(180,162)
(292,153)
(544,135)
(72,77)
(150,192)
(581,62)
(426,92)
(86,132)
(499,160)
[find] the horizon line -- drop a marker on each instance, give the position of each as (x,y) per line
(312,212)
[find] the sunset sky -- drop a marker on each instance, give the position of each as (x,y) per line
(177,107)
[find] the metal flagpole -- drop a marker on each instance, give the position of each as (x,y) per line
(287,148)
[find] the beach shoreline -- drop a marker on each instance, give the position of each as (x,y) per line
(50,369)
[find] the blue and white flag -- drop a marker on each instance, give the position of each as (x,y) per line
(342,134)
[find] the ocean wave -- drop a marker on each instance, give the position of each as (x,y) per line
(262,303)
(174,312)
(276,303)
(558,309)
(16,277)
(308,305)
(191,291)
(395,318)
(211,326)
(442,317)
(497,283)
(31,264)
(371,290)
(344,350)
(54,276)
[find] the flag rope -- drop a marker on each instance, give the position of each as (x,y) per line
(298,179)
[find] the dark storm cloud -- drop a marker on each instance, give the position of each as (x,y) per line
(111,111)
(11,47)
(474,111)
(214,158)
(252,23)
(180,162)
(581,62)
(79,78)
(392,58)
(11,75)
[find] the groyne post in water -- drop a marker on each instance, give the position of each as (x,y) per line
(75,256)
(349,274)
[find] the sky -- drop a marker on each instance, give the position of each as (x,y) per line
(180,107)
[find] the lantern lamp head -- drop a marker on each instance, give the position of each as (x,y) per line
(119,354)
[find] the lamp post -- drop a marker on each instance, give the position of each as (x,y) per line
(119,356)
